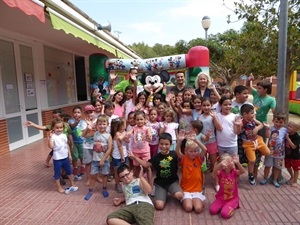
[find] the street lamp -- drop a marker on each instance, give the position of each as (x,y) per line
(206,24)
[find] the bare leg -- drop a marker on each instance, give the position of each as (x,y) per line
(88,173)
(296,175)
(59,187)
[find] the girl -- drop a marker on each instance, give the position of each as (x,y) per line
(119,152)
(140,143)
(130,94)
(160,110)
(58,142)
(210,124)
(118,100)
(98,108)
(169,126)
(227,198)
(88,143)
(140,103)
(215,100)
(187,94)
(154,100)
(77,125)
(191,180)
(154,126)
(197,107)
(231,127)
(185,112)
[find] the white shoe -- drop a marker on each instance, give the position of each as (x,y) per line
(70,189)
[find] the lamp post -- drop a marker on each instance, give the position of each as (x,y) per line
(206,24)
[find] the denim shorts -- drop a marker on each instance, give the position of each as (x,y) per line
(96,168)
(117,162)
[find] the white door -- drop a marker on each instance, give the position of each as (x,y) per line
(18,84)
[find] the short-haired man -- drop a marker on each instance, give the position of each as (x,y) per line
(180,83)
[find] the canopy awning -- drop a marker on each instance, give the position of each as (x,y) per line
(61,23)
(29,7)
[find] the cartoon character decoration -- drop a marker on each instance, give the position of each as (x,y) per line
(154,81)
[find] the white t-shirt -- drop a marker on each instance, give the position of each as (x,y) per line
(171,129)
(60,149)
(226,137)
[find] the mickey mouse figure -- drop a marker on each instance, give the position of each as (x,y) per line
(153,82)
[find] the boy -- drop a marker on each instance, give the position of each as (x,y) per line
(277,151)
(165,164)
(262,104)
(139,207)
(252,141)
(292,152)
(101,152)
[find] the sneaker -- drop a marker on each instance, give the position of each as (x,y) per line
(105,193)
(251,179)
(118,188)
(77,177)
(276,184)
(263,182)
(62,181)
(82,170)
(70,189)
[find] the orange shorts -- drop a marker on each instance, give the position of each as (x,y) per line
(251,146)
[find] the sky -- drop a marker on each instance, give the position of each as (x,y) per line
(160,21)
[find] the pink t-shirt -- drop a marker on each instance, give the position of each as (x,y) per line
(139,143)
(228,186)
(118,110)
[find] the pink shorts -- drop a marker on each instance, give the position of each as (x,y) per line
(143,156)
(212,148)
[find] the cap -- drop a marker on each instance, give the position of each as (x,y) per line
(89,108)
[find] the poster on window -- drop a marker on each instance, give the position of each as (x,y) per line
(30,92)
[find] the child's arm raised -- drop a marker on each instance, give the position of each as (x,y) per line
(237,125)
(268,132)
(143,163)
(289,142)
(258,126)
(180,138)
(216,121)
(145,186)
(200,145)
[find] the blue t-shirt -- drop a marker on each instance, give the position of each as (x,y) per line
(77,131)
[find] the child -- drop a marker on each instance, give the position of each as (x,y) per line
(118,99)
(197,103)
(119,152)
(252,141)
(231,127)
(210,124)
(191,180)
(276,145)
(185,114)
(61,155)
(140,103)
(169,126)
(101,151)
(130,95)
(140,144)
(292,152)
(88,134)
(154,127)
(98,108)
(139,207)
(227,198)
(77,125)
(160,111)
(109,109)
(166,165)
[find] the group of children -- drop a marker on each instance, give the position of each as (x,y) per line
(185,128)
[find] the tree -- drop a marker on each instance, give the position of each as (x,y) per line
(266,13)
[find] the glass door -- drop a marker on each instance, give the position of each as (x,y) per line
(19,92)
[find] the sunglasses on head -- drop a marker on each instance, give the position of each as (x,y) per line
(134,67)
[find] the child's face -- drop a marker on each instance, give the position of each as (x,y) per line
(261,91)
(278,123)
(77,114)
(206,107)
(249,116)
(292,128)
(197,104)
(98,107)
(226,106)
(142,99)
(56,116)
(186,105)
(156,101)
(109,111)
(160,109)
(179,97)
(89,114)
(164,146)
(168,118)
(119,97)
(192,151)
(242,97)
(131,120)
(126,176)
(213,97)
(101,126)
(187,95)
(227,93)
(140,120)
(129,94)
(153,116)
(58,128)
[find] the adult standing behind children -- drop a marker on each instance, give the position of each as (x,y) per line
(204,86)
(180,83)
(165,164)
(139,207)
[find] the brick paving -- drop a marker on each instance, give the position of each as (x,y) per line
(28,196)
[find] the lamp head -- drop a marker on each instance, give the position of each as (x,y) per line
(106,26)
(206,22)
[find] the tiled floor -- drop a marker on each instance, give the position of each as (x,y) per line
(28,196)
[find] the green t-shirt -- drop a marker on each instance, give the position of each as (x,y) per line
(262,105)
(123,84)
(67,129)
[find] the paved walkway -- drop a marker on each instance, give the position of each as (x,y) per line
(28,196)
